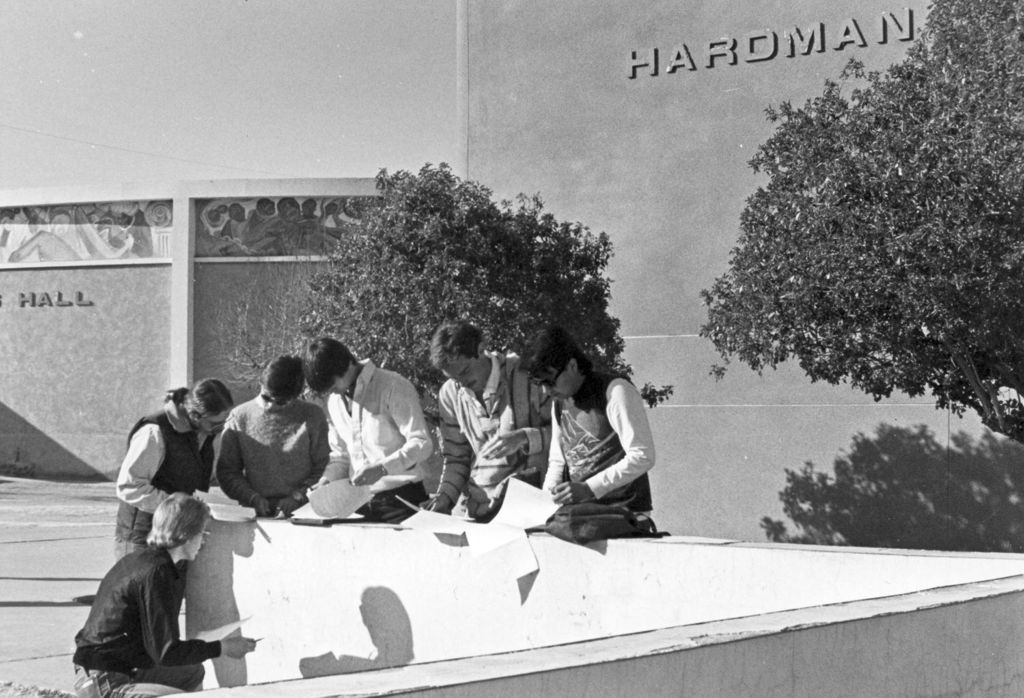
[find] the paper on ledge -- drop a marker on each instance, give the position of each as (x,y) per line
(337,499)
(525,506)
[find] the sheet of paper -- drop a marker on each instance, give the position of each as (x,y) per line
(337,499)
(306,512)
(507,546)
(231,512)
(437,523)
(215,634)
(513,553)
(525,506)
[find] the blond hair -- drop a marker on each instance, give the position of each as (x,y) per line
(178,519)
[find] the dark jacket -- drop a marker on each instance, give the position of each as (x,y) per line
(133,623)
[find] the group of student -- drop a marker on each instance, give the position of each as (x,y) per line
(549,418)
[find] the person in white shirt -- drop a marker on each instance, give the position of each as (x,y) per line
(172,450)
(378,435)
(601,444)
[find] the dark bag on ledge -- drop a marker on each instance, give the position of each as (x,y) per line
(589,521)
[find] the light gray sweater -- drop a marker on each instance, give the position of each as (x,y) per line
(272,450)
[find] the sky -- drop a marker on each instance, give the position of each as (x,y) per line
(99,92)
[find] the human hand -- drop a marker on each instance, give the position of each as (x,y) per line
(289,504)
(370,475)
(319,483)
(441,503)
(262,506)
(571,492)
(501,445)
(237,646)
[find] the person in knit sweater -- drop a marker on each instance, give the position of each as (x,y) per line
(275,446)
(495,424)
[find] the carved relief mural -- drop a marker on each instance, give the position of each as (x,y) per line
(90,231)
(276,226)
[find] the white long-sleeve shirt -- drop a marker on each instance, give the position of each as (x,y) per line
(382,424)
(627,415)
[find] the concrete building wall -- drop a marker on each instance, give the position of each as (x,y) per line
(74,377)
(559,98)
(109,296)
(241,307)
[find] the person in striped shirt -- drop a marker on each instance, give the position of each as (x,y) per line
(495,424)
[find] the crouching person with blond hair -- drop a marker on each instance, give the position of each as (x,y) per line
(130,646)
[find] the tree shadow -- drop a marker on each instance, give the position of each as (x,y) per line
(904,489)
(218,560)
(390,631)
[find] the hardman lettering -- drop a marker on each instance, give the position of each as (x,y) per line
(46,299)
(768,44)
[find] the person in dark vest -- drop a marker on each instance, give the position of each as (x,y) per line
(130,645)
(169,451)
(601,445)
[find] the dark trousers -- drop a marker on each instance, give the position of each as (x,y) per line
(385,507)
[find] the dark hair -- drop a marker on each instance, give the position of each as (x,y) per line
(326,359)
(552,347)
(177,520)
(208,396)
(282,378)
(452,340)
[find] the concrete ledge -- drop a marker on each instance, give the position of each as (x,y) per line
(357,599)
(961,640)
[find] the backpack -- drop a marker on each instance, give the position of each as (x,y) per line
(584,522)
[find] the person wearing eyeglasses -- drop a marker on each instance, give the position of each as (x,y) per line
(169,451)
(495,424)
(130,645)
(275,446)
(378,435)
(601,444)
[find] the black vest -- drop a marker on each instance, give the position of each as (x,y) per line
(589,444)
(186,467)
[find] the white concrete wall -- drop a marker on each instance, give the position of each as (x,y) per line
(353,598)
(659,163)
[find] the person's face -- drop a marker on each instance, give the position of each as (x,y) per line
(211,423)
(560,384)
(195,544)
(342,383)
(275,400)
(469,372)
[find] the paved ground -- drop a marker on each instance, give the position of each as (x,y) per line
(55,545)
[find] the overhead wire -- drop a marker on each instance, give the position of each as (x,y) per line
(133,151)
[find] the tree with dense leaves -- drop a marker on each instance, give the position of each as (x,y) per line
(887,248)
(903,489)
(439,247)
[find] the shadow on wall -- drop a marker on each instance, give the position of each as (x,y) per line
(390,631)
(217,557)
(26,451)
(904,489)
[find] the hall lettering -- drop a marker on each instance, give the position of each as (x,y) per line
(31,299)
